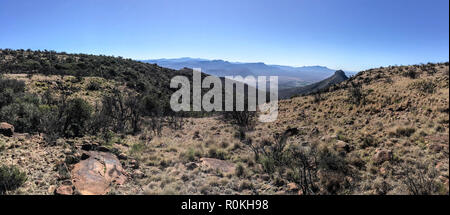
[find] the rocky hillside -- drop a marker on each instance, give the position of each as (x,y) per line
(383,131)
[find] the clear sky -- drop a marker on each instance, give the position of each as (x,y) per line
(340,34)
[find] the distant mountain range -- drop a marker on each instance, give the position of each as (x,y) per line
(338,77)
(288,76)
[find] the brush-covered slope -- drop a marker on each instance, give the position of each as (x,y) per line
(383,131)
(390,124)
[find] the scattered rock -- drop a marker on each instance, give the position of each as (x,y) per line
(382,171)
(51,189)
(94,175)
(134,164)
(68,151)
(342,146)
(64,190)
(223,166)
(138,174)
(382,155)
(292,187)
(6,129)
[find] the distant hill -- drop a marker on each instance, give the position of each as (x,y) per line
(288,76)
(338,77)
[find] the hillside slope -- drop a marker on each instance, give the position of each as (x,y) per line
(383,131)
(338,77)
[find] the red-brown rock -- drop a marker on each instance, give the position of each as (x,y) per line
(292,187)
(94,175)
(382,155)
(64,190)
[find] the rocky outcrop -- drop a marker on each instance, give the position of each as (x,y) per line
(382,155)
(6,129)
(95,174)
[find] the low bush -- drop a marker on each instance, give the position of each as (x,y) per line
(11,178)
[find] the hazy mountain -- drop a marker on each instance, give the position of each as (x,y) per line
(338,77)
(288,76)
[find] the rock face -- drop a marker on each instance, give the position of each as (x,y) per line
(382,155)
(94,175)
(6,129)
(223,166)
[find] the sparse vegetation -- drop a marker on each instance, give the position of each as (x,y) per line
(349,140)
(421,180)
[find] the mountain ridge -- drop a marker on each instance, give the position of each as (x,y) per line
(338,77)
(288,76)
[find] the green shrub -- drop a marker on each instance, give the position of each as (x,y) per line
(410,73)
(25,116)
(423,86)
(137,148)
(356,95)
(93,86)
(11,178)
(217,153)
(422,179)
(240,170)
(268,164)
(190,155)
(404,132)
(2,145)
(77,114)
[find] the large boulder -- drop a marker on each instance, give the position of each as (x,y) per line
(382,155)
(95,174)
(6,129)
(342,146)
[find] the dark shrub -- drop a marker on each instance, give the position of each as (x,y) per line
(410,73)
(356,95)
(77,114)
(93,86)
(11,178)
(421,179)
(9,90)
(23,113)
(425,87)
(403,132)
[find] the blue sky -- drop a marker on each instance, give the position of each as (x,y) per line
(340,34)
